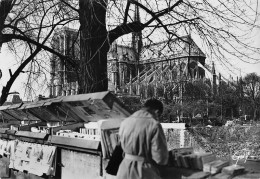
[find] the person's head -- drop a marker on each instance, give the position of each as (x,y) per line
(154,106)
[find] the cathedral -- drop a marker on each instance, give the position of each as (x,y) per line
(167,63)
(144,70)
(138,70)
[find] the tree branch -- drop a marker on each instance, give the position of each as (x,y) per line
(70,6)
(124,29)
(6,89)
(5,8)
(138,26)
(126,12)
(9,37)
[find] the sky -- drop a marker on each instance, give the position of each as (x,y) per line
(239,68)
(8,61)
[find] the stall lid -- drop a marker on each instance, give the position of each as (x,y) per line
(25,109)
(74,142)
(50,101)
(96,106)
(29,115)
(44,110)
(15,106)
(62,111)
(7,117)
(41,103)
(6,114)
(32,105)
(20,114)
(11,110)
(4,107)
(90,107)
(34,135)
(40,111)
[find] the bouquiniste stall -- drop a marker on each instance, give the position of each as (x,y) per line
(63,137)
(74,136)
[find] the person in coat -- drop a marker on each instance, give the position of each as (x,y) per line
(143,142)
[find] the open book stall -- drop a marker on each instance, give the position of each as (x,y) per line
(74,137)
(64,137)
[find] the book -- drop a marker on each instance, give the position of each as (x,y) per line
(176,156)
(184,161)
(191,159)
(203,158)
(215,166)
(233,170)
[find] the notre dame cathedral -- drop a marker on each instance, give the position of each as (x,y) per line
(143,70)
(153,70)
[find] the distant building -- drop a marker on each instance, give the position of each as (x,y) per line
(139,69)
(168,63)
(63,81)
(134,70)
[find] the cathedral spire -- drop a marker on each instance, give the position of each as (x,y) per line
(137,36)
(137,45)
(214,80)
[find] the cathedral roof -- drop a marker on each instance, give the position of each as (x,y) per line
(168,49)
(174,48)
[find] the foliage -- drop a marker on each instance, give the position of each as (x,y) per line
(196,90)
(194,102)
(251,89)
(227,99)
(131,102)
(170,113)
(226,140)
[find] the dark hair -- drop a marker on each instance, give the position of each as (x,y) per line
(154,104)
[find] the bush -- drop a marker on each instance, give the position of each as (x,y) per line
(224,141)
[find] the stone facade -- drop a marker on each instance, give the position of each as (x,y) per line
(63,79)
(166,64)
(152,70)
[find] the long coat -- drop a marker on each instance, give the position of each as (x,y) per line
(142,138)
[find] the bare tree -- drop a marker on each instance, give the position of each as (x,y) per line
(216,23)
(28,28)
(251,90)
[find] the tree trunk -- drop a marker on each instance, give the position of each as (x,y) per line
(93,46)
(5,8)
(255,109)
